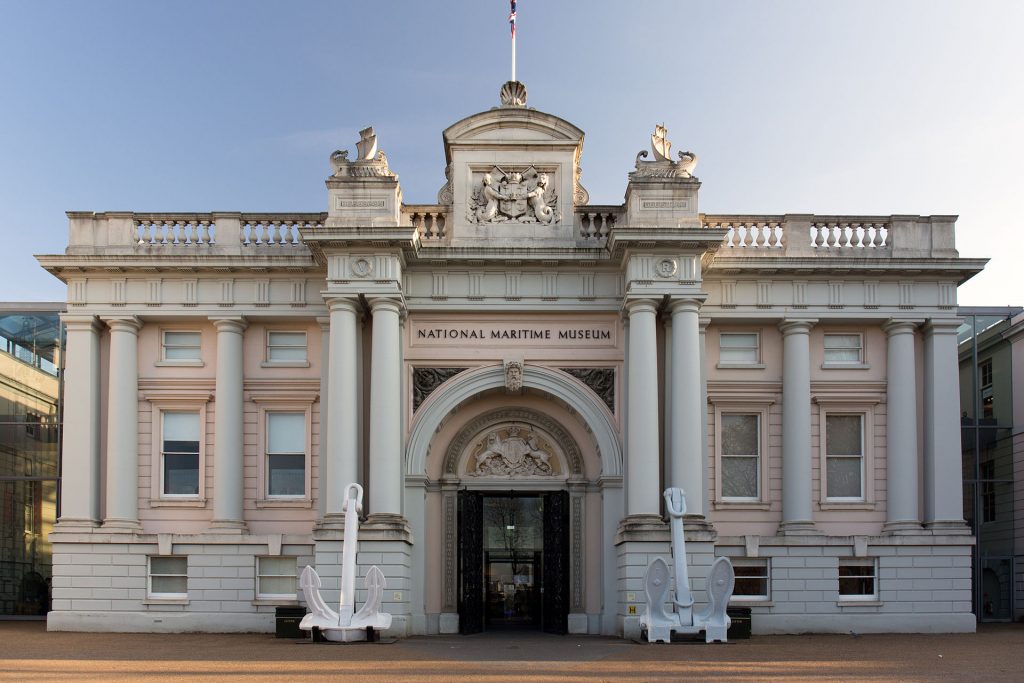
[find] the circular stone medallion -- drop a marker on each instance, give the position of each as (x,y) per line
(362,267)
(666,267)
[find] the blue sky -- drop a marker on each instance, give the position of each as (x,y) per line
(859,107)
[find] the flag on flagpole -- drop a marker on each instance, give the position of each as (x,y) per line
(512,18)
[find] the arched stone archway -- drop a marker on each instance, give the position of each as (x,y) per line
(596,487)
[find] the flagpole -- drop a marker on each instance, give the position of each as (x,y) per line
(512,26)
(513,56)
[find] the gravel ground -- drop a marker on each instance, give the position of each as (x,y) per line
(29,653)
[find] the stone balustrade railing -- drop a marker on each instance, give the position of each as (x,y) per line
(796,235)
(809,235)
(430,221)
(594,222)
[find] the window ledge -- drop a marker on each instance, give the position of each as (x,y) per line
(859,603)
(741,505)
(285,364)
(165,601)
(179,364)
(284,503)
(740,366)
(749,602)
(271,602)
(845,366)
(852,505)
(175,503)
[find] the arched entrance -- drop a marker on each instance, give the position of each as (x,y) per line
(559,456)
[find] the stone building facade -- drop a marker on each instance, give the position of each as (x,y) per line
(514,375)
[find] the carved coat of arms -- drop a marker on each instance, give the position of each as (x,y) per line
(518,197)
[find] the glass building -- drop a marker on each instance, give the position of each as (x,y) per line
(991,454)
(30,418)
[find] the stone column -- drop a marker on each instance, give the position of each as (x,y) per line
(228,469)
(796,428)
(686,452)
(123,425)
(340,467)
(643,496)
(943,483)
(80,466)
(901,429)
(385,410)
(325,403)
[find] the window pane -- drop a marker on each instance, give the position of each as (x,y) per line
(287,346)
(733,340)
(842,341)
(277,566)
(843,478)
(739,477)
(170,584)
(286,432)
(287,353)
(278,585)
(287,338)
(843,435)
(181,427)
(181,474)
(181,345)
(168,565)
(857,579)
(181,353)
(738,356)
(740,435)
(751,580)
(286,475)
(181,338)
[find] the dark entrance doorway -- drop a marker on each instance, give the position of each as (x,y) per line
(513,561)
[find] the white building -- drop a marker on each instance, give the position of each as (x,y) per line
(514,375)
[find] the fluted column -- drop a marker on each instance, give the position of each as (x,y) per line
(902,514)
(686,452)
(643,496)
(797,517)
(385,410)
(340,467)
(228,469)
(943,482)
(123,425)
(80,465)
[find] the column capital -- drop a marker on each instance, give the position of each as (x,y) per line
(640,306)
(689,303)
(324,321)
(232,323)
(894,326)
(790,326)
(85,323)
(704,322)
(385,304)
(123,323)
(341,303)
(934,326)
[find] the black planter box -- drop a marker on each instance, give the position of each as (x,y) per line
(739,629)
(288,619)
